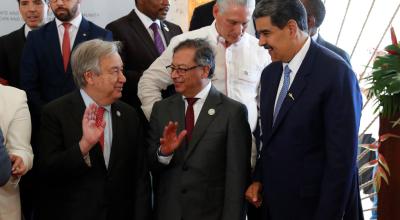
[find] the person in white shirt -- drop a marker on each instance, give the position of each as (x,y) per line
(15,124)
(239,60)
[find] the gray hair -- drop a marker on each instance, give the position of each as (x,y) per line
(224,4)
(86,57)
(204,55)
(281,11)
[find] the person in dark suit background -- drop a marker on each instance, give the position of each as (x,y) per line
(201,173)
(140,43)
(310,107)
(92,158)
(45,69)
(202,16)
(315,16)
(5,163)
(33,13)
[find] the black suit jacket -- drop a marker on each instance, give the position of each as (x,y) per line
(343,54)
(202,16)
(206,178)
(11,46)
(138,51)
(73,190)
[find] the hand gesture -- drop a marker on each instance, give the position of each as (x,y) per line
(91,132)
(18,167)
(170,141)
(253,194)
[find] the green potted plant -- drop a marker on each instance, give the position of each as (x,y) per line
(385,87)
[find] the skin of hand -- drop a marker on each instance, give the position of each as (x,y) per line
(253,194)
(91,132)
(170,141)
(18,166)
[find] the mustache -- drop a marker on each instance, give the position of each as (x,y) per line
(266,46)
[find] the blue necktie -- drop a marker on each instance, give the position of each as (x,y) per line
(157,38)
(283,92)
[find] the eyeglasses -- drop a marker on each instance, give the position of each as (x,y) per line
(179,70)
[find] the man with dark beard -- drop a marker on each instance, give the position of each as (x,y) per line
(45,68)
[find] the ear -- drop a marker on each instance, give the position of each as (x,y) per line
(206,72)
(292,27)
(215,10)
(89,77)
(310,22)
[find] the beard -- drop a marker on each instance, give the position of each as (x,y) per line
(63,14)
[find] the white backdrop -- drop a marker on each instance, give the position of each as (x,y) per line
(101,12)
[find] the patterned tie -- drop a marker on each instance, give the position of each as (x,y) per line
(99,120)
(66,45)
(157,38)
(283,92)
(189,117)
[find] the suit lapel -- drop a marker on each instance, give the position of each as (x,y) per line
(138,26)
(176,111)
(268,95)
(83,33)
(54,43)
(297,87)
(203,121)
(116,129)
(167,34)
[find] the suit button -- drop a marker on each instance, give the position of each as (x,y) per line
(184,168)
(183,191)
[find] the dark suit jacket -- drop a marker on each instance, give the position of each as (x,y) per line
(207,178)
(138,51)
(308,159)
(71,189)
(334,48)
(42,69)
(11,46)
(5,163)
(202,16)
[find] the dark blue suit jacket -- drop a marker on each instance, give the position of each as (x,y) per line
(42,70)
(308,160)
(343,54)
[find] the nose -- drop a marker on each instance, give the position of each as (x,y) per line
(262,40)
(121,77)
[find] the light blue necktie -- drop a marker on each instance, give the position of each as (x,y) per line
(283,92)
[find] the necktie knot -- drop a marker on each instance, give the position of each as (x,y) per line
(287,71)
(191,101)
(66,25)
(154,27)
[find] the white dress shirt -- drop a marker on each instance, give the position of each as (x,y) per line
(294,66)
(237,73)
(197,106)
(73,30)
(107,130)
(147,22)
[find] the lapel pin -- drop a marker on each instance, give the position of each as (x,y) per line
(118,113)
(211,111)
(84,34)
(291,96)
(165,27)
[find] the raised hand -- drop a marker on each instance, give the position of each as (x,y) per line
(170,141)
(91,132)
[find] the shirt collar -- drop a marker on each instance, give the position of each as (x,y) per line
(146,20)
(26,30)
(74,22)
(88,100)
(202,95)
(315,37)
(295,63)
(218,39)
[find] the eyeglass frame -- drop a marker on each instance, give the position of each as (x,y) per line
(180,71)
(55,1)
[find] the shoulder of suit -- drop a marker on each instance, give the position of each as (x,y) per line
(13,34)
(11,92)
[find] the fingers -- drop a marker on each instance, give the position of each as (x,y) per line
(253,194)
(18,168)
